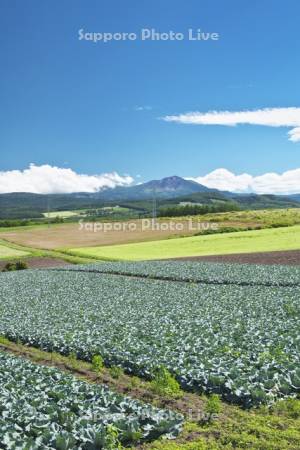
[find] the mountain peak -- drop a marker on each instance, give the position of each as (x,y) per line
(169,187)
(173,182)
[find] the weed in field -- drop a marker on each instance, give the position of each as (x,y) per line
(73,360)
(97,363)
(164,383)
(213,406)
(115,372)
(11,266)
(4,341)
(134,382)
(21,265)
(112,438)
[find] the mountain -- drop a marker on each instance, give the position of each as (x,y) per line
(20,205)
(263,201)
(295,197)
(167,191)
(165,188)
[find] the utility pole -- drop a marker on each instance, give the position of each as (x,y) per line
(48,210)
(154,206)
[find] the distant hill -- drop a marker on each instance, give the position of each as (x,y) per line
(23,205)
(263,201)
(206,197)
(295,197)
(167,191)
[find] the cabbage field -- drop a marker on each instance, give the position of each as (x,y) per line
(43,408)
(233,337)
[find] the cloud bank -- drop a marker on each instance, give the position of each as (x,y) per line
(268,183)
(48,179)
(269,117)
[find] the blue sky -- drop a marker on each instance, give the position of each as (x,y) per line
(96,107)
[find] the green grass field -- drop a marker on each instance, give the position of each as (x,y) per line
(63,214)
(263,217)
(8,252)
(286,238)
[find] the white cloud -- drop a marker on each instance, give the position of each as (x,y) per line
(269,117)
(48,179)
(143,108)
(268,183)
(294,134)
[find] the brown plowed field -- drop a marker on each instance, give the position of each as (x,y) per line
(291,257)
(73,235)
